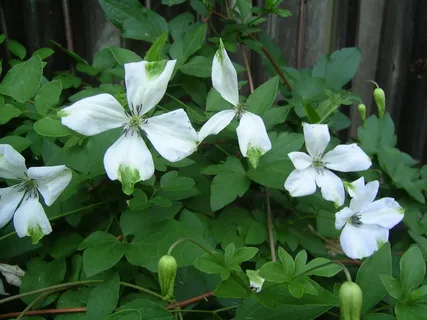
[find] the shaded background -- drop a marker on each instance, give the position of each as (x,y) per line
(392,35)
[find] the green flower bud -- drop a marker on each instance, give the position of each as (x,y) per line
(379,97)
(166,269)
(351,298)
(362,111)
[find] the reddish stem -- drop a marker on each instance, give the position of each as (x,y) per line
(187,302)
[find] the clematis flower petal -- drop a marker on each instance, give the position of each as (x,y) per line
(253,137)
(224,76)
(385,212)
(347,158)
(331,186)
(146,83)
(216,124)
(9,200)
(94,115)
(301,182)
(31,220)
(365,195)
(12,273)
(316,138)
(129,161)
(300,160)
(51,181)
(342,216)
(356,187)
(12,164)
(361,242)
(255,280)
(172,135)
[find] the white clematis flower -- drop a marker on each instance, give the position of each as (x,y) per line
(313,168)
(251,132)
(12,273)
(21,201)
(255,280)
(366,222)
(128,159)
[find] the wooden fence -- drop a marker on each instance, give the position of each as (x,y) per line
(392,35)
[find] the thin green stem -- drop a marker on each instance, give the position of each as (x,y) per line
(222,149)
(63,286)
(37,299)
(177,100)
(381,308)
(343,267)
(206,311)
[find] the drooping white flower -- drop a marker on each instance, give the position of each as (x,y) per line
(313,168)
(251,132)
(366,222)
(12,273)
(21,201)
(255,280)
(128,159)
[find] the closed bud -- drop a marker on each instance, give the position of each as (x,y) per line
(351,298)
(362,111)
(166,269)
(379,97)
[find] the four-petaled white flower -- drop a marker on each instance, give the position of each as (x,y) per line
(21,201)
(312,169)
(128,159)
(366,222)
(251,132)
(255,280)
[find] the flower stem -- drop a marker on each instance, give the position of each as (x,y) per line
(37,299)
(64,286)
(270,226)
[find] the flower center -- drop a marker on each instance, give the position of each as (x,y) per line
(240,110)
(318,163)
(355,220)
(29,186)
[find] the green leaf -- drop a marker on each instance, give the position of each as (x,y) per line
(141,309)
(118,11)
(232,288)
(244,254)
(123,56)
(412,269)
(155,51)
(257,233)
(8,112)
(17,49)
(72,299)
(368,276)
(147,27)
(18,143)
(226,187)
(103,299)
(275,272)
(392,286)
(376,134)
(69,53)
(326,271)
(49,127)
(42,275)
(210,264)
(275,166)
(379,316)
(263,97)
(172,2)
(179,24)
(339,67)
(410,312)
(170,181)
(102,253)
(65,246)
(23,80)
(287,261)
(275,116)
(191,42)
(2,37)
(48,96)
(152,243)
(198,66)
(43,53)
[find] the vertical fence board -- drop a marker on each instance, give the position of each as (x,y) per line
(368,41)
